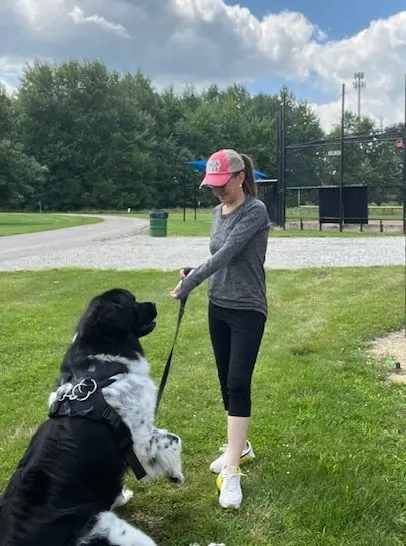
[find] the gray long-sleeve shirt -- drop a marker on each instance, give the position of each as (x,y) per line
(235,270)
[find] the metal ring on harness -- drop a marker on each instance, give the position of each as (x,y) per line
(72,395)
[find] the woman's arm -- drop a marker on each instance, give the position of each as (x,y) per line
(250,223)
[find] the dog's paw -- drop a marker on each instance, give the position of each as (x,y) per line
(125,496)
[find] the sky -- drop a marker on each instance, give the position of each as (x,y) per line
(312,46)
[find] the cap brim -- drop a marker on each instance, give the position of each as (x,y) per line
(215,179)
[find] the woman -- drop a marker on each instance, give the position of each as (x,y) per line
(237,303)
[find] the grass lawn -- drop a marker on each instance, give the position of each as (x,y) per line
(17,223)
(328,430)
(12,223)
(201,227)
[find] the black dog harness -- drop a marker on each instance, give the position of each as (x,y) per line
(86,400)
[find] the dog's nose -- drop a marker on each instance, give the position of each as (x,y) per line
(177,479)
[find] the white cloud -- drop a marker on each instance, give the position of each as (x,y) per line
(79,18)
(380,52)
(329,113)
(197,41)
(9,73)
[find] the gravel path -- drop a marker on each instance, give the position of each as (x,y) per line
(45,243)
(122,243)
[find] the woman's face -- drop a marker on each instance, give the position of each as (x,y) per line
(231,191)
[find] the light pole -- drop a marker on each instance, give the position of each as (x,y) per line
(359,84)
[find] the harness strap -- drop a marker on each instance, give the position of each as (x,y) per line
(124,441)
(95,407)
(169,360)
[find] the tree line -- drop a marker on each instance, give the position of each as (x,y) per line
(77,135)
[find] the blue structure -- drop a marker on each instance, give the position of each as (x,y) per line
(200,165)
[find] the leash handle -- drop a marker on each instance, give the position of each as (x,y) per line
(169,360)
(187,270)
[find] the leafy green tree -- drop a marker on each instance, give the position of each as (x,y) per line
(110,140)
(21,177)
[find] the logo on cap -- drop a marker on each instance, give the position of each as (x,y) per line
(213,166)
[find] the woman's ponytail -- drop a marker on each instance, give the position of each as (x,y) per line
(249,185)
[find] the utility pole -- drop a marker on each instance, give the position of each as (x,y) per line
(404,183)
(359,84)
(342,157)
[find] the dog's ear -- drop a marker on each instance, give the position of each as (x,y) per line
(106,318)
(115,318)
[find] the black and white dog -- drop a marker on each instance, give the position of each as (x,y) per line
(72,473)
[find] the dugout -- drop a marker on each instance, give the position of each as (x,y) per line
(268,193)
(348,204)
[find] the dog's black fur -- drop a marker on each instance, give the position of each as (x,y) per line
(73,470)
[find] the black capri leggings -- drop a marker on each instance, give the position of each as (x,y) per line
(236,337)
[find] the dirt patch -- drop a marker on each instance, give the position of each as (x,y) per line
(391,349)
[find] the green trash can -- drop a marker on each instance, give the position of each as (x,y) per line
(158,223)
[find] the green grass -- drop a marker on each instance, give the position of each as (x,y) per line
(200,227)
(328,430)
(16,223)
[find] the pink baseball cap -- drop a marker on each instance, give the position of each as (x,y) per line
(220,166)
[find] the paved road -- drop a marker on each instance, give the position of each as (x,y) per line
(46,243)
(123,243)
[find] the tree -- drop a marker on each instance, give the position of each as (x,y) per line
(110,140)
(372,162)
(21,177)
(304,167)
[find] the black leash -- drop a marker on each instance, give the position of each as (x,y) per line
(169,361)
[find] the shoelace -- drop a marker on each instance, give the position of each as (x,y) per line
(231,481)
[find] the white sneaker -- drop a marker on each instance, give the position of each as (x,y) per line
(247,455)
(228,482)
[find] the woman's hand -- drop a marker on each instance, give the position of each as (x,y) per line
(176,291)
(185,271)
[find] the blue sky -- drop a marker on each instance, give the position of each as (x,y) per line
(338,18)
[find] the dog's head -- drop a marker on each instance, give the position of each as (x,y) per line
(116,315)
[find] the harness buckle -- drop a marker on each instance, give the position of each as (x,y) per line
(111,417)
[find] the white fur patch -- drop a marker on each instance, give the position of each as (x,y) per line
(133,396)
(136,365)
(118,532)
